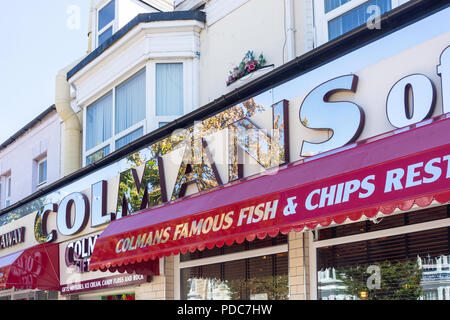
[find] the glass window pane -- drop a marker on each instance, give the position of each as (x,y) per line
(42,171)
(97,155)
(402,267)
(130,102)
(162,124)
(129,138)
(105,35)
(260,278)
(355,18)
(169,89)
(99,122)
(333,4)
(106,15)
(9,186)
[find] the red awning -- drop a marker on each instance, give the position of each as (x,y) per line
(32,268)
(394,170)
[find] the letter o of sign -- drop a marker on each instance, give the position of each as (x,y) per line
(410,100)
(64,217)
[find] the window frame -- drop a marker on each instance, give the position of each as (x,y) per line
(8,191)
(112,24)
(38,162)
(154,120)
(111,142)
(412,228)
(322,18)
(178,265)
(151,121)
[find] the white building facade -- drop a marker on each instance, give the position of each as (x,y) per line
(184,107)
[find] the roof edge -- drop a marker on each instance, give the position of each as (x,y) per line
(27,127)
(140,18)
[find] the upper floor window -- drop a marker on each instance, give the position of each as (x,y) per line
(169,92)
(8,191)
(116,119)
(337,17)
(149,99)
(105,21)
(42,172)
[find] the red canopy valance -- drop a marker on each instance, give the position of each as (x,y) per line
(33,268)
(395,170)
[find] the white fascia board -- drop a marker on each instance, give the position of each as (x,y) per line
(163,5)
(145,28)
(217,9)
(181,5)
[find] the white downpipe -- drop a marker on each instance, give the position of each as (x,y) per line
(73,128)
(290,38)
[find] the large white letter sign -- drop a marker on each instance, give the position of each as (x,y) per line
(64,216)
(344,118)
(443,70)
(410,100)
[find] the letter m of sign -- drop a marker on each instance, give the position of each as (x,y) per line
(139,187)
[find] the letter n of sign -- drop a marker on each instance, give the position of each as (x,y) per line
(269,150)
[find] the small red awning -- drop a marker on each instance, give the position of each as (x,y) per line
(345,183)
(33,268)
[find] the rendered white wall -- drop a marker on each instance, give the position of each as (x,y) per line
(19,158)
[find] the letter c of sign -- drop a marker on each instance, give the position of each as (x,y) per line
(40,224)
(118,246)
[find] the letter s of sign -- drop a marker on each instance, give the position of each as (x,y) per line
(344,118)
(40,224)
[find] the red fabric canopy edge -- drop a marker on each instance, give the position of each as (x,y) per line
(425,199)
(386,209)
(36,267)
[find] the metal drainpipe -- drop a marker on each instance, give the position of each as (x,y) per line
(73,128)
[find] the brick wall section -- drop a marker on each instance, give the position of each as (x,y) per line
(298,265)
(161,287)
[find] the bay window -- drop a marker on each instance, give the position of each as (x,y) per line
(116,119)
(337,17)
(126,112)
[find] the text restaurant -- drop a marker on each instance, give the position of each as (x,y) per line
(326,178)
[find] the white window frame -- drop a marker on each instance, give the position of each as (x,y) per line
(8,190)
(113,23)
(153,121)
(178,265)
(38,162)
(322,18)
(316,244)
(114,137)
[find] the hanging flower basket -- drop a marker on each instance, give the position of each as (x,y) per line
(248,65)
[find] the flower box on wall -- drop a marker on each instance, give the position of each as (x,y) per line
(248,66)
(253,75)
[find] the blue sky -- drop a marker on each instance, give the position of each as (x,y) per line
(38,38)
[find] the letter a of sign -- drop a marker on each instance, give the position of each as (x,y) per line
(197,167)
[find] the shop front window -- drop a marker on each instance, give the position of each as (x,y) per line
(409,266)
(263,277)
